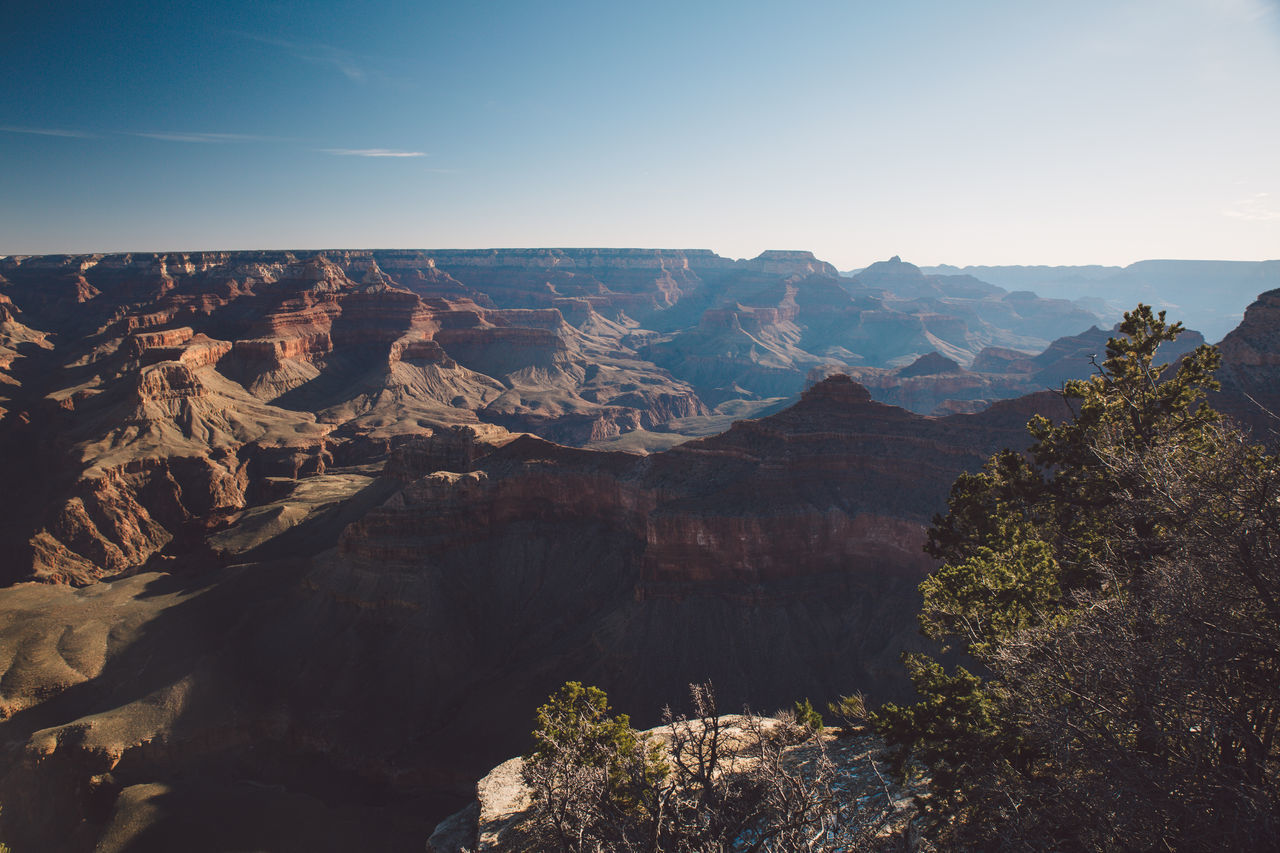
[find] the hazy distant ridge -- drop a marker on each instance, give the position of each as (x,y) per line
(1209,295)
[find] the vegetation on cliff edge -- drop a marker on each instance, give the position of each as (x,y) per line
(708,784)
(1119,592)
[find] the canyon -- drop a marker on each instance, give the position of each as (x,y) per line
(184,386)
(307,536)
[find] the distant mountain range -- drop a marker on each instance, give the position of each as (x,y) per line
(1208,295)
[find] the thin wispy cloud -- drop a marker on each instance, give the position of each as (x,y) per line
(47,131)
(372,152)
(203,137)
(351,65)
(1256,208)
(209,138)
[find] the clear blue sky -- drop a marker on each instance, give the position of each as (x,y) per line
(1092,131)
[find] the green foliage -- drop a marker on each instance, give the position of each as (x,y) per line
(991,594)
(593,778)
(1029,529)
(808,718)
(954,719)
(1062,492)
(713,784)
(850,710)
(575,728)
(578,717)
(1060,570)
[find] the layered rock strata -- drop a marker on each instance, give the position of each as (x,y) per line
(317,553)
(1250,372)
(778,559)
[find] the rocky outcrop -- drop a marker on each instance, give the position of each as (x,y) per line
(1250,372)
(930,364)
(779,559)
(455,449)
(168,452)
(1002,360)
(500,818)
(155,353)
(378,346)
(16,340)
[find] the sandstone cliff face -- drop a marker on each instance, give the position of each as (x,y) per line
(16,339)
(333,338)
(768,559)
(1251,367)
(316,330)
(778,559)
(170,450)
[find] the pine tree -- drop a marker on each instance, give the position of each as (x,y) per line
(1089,582)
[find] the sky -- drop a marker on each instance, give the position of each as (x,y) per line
(1090,131)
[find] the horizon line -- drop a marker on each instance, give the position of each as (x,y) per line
(601,248)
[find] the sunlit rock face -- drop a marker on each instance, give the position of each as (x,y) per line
(253,365)
(1250,372)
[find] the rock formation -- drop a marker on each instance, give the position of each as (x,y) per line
(989,315)
(163,391)
(935,384)
(1250,372)
(1210,295)
(500,818)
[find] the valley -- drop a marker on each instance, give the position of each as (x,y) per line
(308,535)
